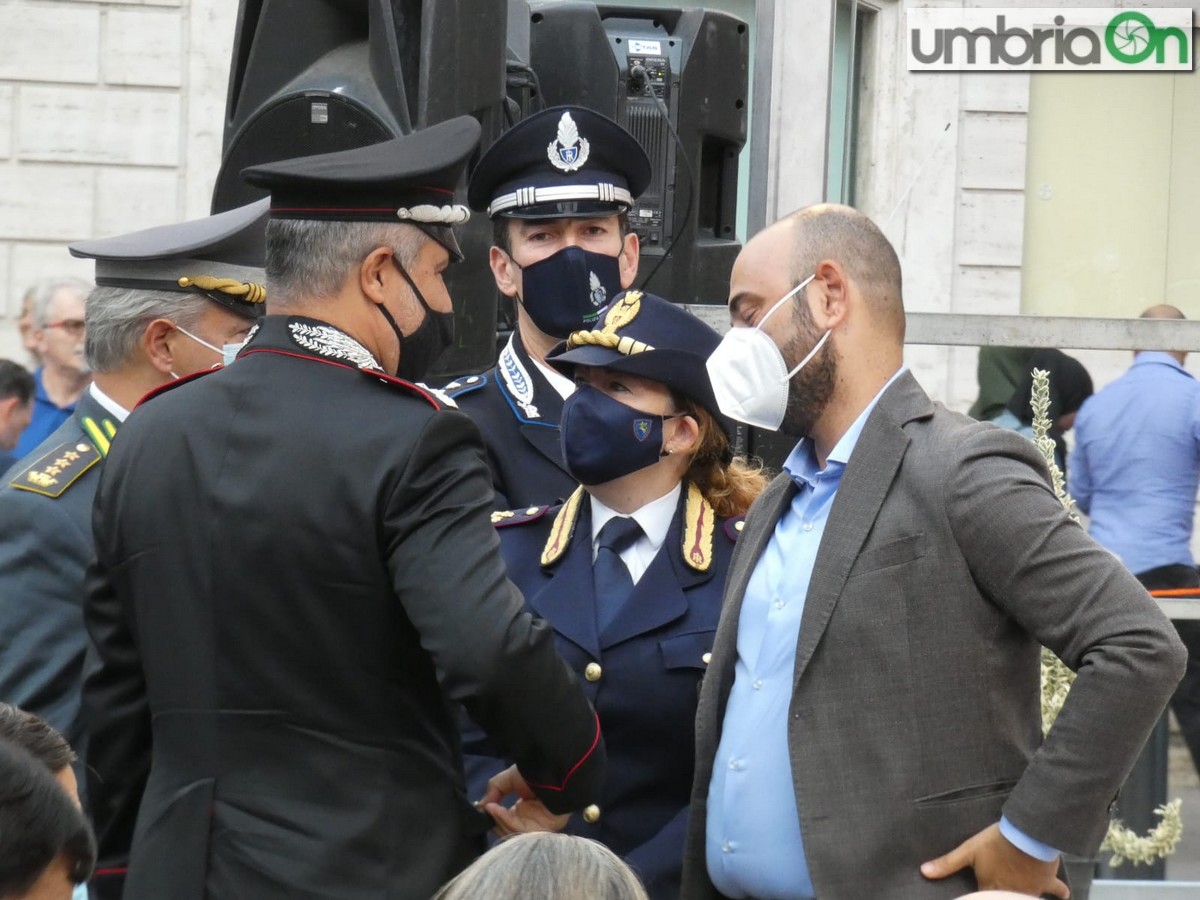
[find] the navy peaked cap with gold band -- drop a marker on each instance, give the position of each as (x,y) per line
(563,162)
(648,336)
(220,256)
(408,180)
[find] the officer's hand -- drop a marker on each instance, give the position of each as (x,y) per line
(999,865)
(527,814)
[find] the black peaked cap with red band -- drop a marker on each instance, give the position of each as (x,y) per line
(409,179)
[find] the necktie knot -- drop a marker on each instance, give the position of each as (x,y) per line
(619,532)
(609,573)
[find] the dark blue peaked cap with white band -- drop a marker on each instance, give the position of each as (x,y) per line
(410,180)
(220,256)
(563,162)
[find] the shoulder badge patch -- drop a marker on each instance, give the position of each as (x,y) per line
(464,385)
(52,473)
(505,518)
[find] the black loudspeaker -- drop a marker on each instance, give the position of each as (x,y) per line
(632,65)
(317,76)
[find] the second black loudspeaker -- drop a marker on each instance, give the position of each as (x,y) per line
(661,73)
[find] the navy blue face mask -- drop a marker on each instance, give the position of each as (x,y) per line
(566,291)
(603,439)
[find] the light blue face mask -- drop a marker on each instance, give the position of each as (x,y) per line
(228,352)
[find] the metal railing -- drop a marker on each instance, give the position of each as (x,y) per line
(1064,333)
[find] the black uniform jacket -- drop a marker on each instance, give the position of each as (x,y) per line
(296,576)
(642,673)
(518,411)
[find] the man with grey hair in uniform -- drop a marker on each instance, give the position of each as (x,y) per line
(168,301)
(280,723)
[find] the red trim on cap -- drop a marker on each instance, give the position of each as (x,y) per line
(381,376)
(336,209)
(574,768)
(108,873)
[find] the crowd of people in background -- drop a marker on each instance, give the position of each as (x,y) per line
(278,619)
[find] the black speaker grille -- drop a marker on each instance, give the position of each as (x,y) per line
(647,125)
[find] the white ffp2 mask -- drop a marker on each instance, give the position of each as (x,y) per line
(749,374)
(228,352)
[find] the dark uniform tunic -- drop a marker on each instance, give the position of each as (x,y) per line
(642,673)
(296,576)
(46,527)
(518,411)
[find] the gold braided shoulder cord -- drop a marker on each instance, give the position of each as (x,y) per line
(1123,843)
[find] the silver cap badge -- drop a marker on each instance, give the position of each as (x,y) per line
(569,151)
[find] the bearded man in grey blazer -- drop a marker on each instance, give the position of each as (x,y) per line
(869,725)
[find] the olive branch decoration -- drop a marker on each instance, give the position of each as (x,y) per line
(1124,843)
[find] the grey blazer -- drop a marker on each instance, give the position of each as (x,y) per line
(915,713)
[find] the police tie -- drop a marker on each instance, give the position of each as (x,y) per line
(609,573)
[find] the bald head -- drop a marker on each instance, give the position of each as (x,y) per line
(1164,311)
(846,236)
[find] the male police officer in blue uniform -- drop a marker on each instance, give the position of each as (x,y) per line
(166,301)
(558,187)
(278,723)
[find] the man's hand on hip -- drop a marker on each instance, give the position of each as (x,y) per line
(999,865)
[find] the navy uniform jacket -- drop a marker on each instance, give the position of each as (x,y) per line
(296,579)
(46,544)
(518,411)
(642,674)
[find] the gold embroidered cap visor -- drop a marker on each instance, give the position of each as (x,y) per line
(220,256)
(648,336)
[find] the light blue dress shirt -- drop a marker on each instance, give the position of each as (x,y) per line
(1136,465)
(754,845)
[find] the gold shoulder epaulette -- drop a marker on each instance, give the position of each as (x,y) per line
(505,517)
(563,528)
(52,473)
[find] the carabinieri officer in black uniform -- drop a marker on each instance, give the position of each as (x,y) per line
(558,187)
(629,571)
(297,577)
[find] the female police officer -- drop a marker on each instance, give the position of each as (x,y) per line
(629,570)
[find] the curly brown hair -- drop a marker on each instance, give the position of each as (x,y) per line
(730,483)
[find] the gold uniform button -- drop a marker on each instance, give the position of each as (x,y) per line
(706,658)
(531,510)
(591,815)
(738,526)
(592,672)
